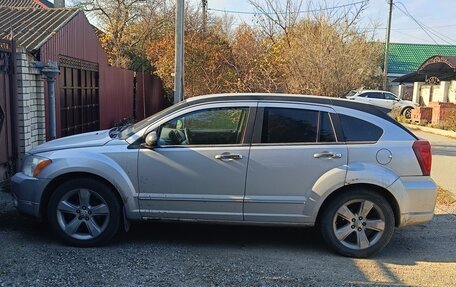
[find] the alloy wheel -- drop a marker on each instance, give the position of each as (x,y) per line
(82,214)
(359,224)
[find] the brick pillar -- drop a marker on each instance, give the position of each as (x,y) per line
(444,90)
(452,92)
(416,92)
(31,109)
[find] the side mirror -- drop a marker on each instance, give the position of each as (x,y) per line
(151,139)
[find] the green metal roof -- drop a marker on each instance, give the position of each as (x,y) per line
(407,58)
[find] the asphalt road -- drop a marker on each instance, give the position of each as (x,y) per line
(159,254)
(443,160)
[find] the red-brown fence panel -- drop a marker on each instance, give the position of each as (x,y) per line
(116,95)
(149,96)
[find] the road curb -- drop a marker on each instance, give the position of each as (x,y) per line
(445,133)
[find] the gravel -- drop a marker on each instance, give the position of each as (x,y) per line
(178,254)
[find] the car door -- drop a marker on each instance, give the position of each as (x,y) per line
(390,100)
(377,99)
(198,168)
(292,147)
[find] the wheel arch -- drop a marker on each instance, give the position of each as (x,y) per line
(405,108)
(54,183)
(375,188)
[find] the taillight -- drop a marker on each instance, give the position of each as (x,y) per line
(422,150)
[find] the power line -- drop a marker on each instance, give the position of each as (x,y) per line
(296,12)
(416,21)
(423,27)
(404,29)
(413,36)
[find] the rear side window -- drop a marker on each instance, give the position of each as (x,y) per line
(357,130)
(285,125)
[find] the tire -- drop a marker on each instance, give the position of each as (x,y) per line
(84,212)
(407,113)
(345,229)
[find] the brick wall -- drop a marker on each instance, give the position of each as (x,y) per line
(422,115)
(440,111)
(31,107)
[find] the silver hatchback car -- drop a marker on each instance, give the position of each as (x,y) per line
(243,158)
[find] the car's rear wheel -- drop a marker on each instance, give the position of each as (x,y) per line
(357,223)
(84,212)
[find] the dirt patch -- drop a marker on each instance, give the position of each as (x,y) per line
(444,197)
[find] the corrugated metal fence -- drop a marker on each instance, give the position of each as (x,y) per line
(116,95)
(112,91)
(149,96)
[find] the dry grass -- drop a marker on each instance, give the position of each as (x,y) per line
(444,197)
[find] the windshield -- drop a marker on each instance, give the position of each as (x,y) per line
(130,130)
(350,94)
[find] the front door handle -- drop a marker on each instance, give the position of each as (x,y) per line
(228,156)
(327,154)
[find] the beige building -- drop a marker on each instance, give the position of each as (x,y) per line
(434,81)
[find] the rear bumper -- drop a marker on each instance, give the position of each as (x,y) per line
(416,196)
(27,192)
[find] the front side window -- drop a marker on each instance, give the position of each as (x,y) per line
(217,126)
(375,96)
(390,96)
(285,125)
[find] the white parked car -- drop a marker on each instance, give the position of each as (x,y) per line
(386,100)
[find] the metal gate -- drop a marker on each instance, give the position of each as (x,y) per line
(79,96)
(8,108)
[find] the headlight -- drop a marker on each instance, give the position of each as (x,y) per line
(34,164)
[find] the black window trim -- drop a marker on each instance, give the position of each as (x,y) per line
(320,115)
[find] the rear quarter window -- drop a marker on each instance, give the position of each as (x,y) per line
(357,130)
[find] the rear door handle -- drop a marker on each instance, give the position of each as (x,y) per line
(228,156)
(327,154)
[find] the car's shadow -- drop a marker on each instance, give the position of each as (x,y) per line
(427,242)
(226,235)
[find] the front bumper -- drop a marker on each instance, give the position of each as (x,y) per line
(27,192)
(416,196)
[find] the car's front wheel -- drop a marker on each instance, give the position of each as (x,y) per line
(407,113)
(357,223)
(84,212)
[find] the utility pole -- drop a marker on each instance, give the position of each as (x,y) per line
(204,4)
(179,53)
(387,44)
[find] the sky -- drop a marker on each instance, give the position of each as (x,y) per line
(438,15)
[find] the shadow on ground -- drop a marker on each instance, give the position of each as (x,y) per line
(407,246)
(163,253)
